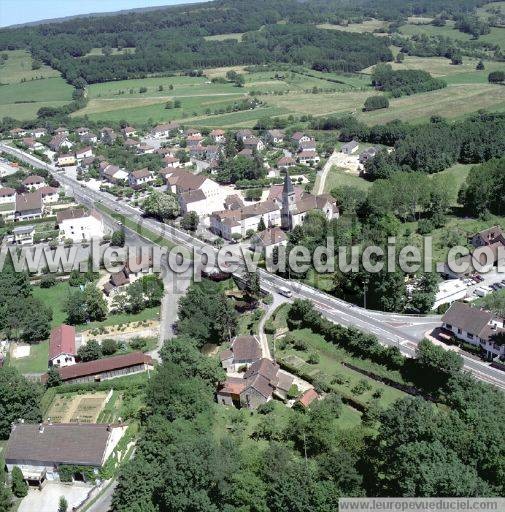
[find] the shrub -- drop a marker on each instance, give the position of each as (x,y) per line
(293,391)
(314,358)
(109,347)
(425,226)
(496,77)
(300,344)
(19,486)
(269,327)
(47,281)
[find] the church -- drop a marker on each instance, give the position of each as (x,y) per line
(287,211)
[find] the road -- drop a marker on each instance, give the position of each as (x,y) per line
(403,331)
(324,173)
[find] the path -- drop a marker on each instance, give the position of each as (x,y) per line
(265,348)
(332,160)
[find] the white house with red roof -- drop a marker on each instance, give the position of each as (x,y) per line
(62,349)
(34,182)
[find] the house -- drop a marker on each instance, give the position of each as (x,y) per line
(61,131)
(82,131)
(39,450)
(23,235)
(145,149)
(193,201)
(298,137)
(31,143)
(112,173)
(275,193)
(106,368)
(164,130)
(88,138)
(38,132)
(86,152)
(172,161)
(132,143)
(29,206)
(62,351)
(60,142)
(34,182)
(242,135)
(307,145)
(18,132)
(257,386)
(86,163)
(218,136)
(474,326)
(129,131)
(285,162)
(197,151)
(487,237)
(308,157)
(49,195)
(368,154)
(66,159)
(140,178)
(193,140)
(107,135)
(350,147)
(227,223)
(7,195)
(254,143)
(79,225)
(233,202)
(192,131)
(212,152)
(266,240)
(308,397)
(246,153)
(243,352)
(450,291)
(275,136)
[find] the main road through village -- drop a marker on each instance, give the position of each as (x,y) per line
(403,331)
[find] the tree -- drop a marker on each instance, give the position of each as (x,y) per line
(109,347)
(226,318)
(161,205)
(118,238)
(53,377)
(261,225)
(75,307)
(19,399)
(400,57)
(96,307)
(252,284)
(190,221)
(62,504)
(90,351)
(480,66)
(19,486)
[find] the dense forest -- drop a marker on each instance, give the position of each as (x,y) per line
(173,38)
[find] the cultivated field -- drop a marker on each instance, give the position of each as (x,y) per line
(77,408)
(223,37)
(114,51)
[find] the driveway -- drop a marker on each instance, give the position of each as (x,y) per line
(47,500)
(332,160)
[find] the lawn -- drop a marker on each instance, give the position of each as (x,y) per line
(36,362)
(19,66)
(458,173)
(338,177)
(224,37)
(344,380)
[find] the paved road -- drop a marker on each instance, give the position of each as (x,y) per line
(403,331)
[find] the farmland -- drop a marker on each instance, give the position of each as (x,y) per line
(71,408)
(24,90)
(367,26)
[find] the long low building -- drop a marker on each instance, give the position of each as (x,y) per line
(105,369)
(40,450)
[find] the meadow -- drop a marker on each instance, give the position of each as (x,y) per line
(366,26)
(23,91)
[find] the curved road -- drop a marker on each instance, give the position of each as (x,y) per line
(403,331)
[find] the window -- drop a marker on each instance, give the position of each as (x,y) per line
(470,335)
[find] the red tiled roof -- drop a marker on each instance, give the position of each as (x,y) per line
(7,191)
(308,397)
(104,365)
(62,341)
(33,179)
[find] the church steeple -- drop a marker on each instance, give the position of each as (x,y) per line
(288,202)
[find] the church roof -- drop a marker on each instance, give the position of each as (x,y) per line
(288,184)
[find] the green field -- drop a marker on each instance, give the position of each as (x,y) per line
(115,51)
(497,34)
(223,37)
(24,91)
(367,26)
(36,362)
(338,178)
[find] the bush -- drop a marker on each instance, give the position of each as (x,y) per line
(266,408)
(425,226)
(376,103)
(496,77)
(293,391)
(109,347)
(269,327)
(47,281)
(314,358)
(300,344)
